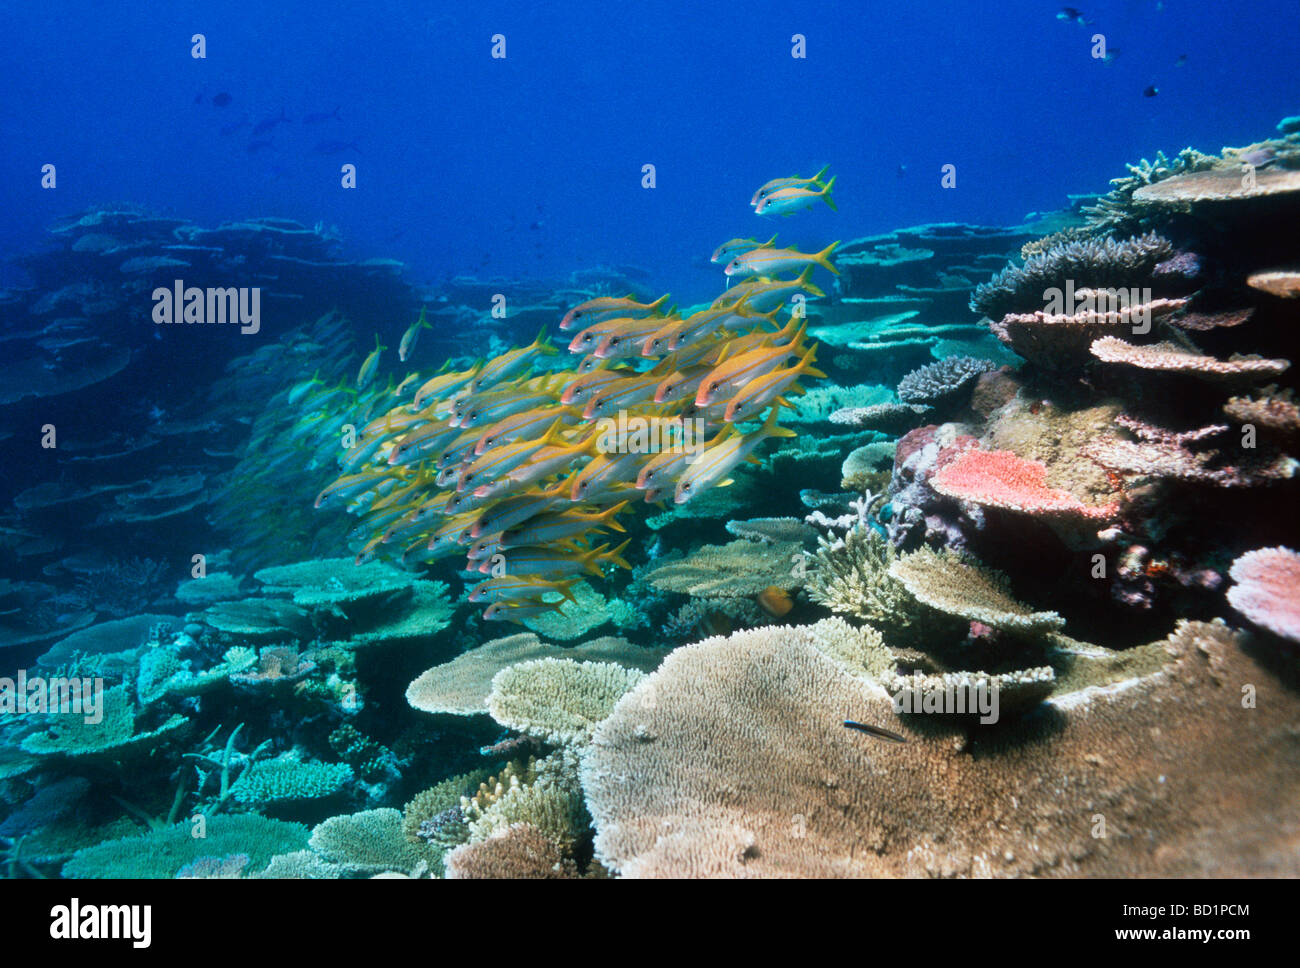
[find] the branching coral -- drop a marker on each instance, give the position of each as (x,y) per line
(1089,263)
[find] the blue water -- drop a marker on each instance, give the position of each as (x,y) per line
(531,165)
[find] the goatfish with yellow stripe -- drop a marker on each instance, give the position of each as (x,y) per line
(561,525)
(561,560)
(445,384)
(608,307)
(517,612)
(786,201)
(412,334)
(370,365)
(508,587)
(776,184)
(736,371)
(755,395)
(768,262)
(508,364)
(762,294)
(715,464)
(728,250)
(499,461)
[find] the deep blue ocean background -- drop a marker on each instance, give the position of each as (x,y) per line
(531,166)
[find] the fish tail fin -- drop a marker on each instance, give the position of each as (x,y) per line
(543,343)
(822,258)
(806,364)
(654,306)
(615,557)
(769,242)
(805,282)
(818,177)
(424,323)
(770,429)
(608,516)
(565,588)
(552,437)
(826,193)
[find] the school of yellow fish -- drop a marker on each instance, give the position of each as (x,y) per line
(522,466)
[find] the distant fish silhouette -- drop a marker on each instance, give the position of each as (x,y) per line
(1182,59)
(222,99)
(336,147)
(1151,91)
(1073,15)
(269,124)
(319,116)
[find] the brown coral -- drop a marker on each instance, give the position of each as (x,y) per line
(732,761)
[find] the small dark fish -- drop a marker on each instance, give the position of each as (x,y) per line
(264,126)
(255,146)
(221,100)
(1182,59)
(902,170)
(876,731)
(1072,15)
(335,147)
(319,116)
(1151,91)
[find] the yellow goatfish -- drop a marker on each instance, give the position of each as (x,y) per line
(788,200)
(713,466)
(727,250)
(755,395)
(445,384)
(508,364)
(766,262)
(762,294)
(412,333)
(778,183)
(560,525)
(370,366)
(607,307)
(736,371)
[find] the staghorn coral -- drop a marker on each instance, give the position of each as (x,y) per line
(951,584)
(1115,209)
(781,788)
(1267,590)
(558,700)
(943,383)
(1090,263)
(517,851)
(1172,358)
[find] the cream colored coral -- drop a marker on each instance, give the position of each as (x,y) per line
(558,700)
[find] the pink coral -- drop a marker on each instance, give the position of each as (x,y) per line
(1267,590)
(1000,479)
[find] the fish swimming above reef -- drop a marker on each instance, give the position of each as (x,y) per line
(776,184)
(786,201)
(761,262)
(521,462)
